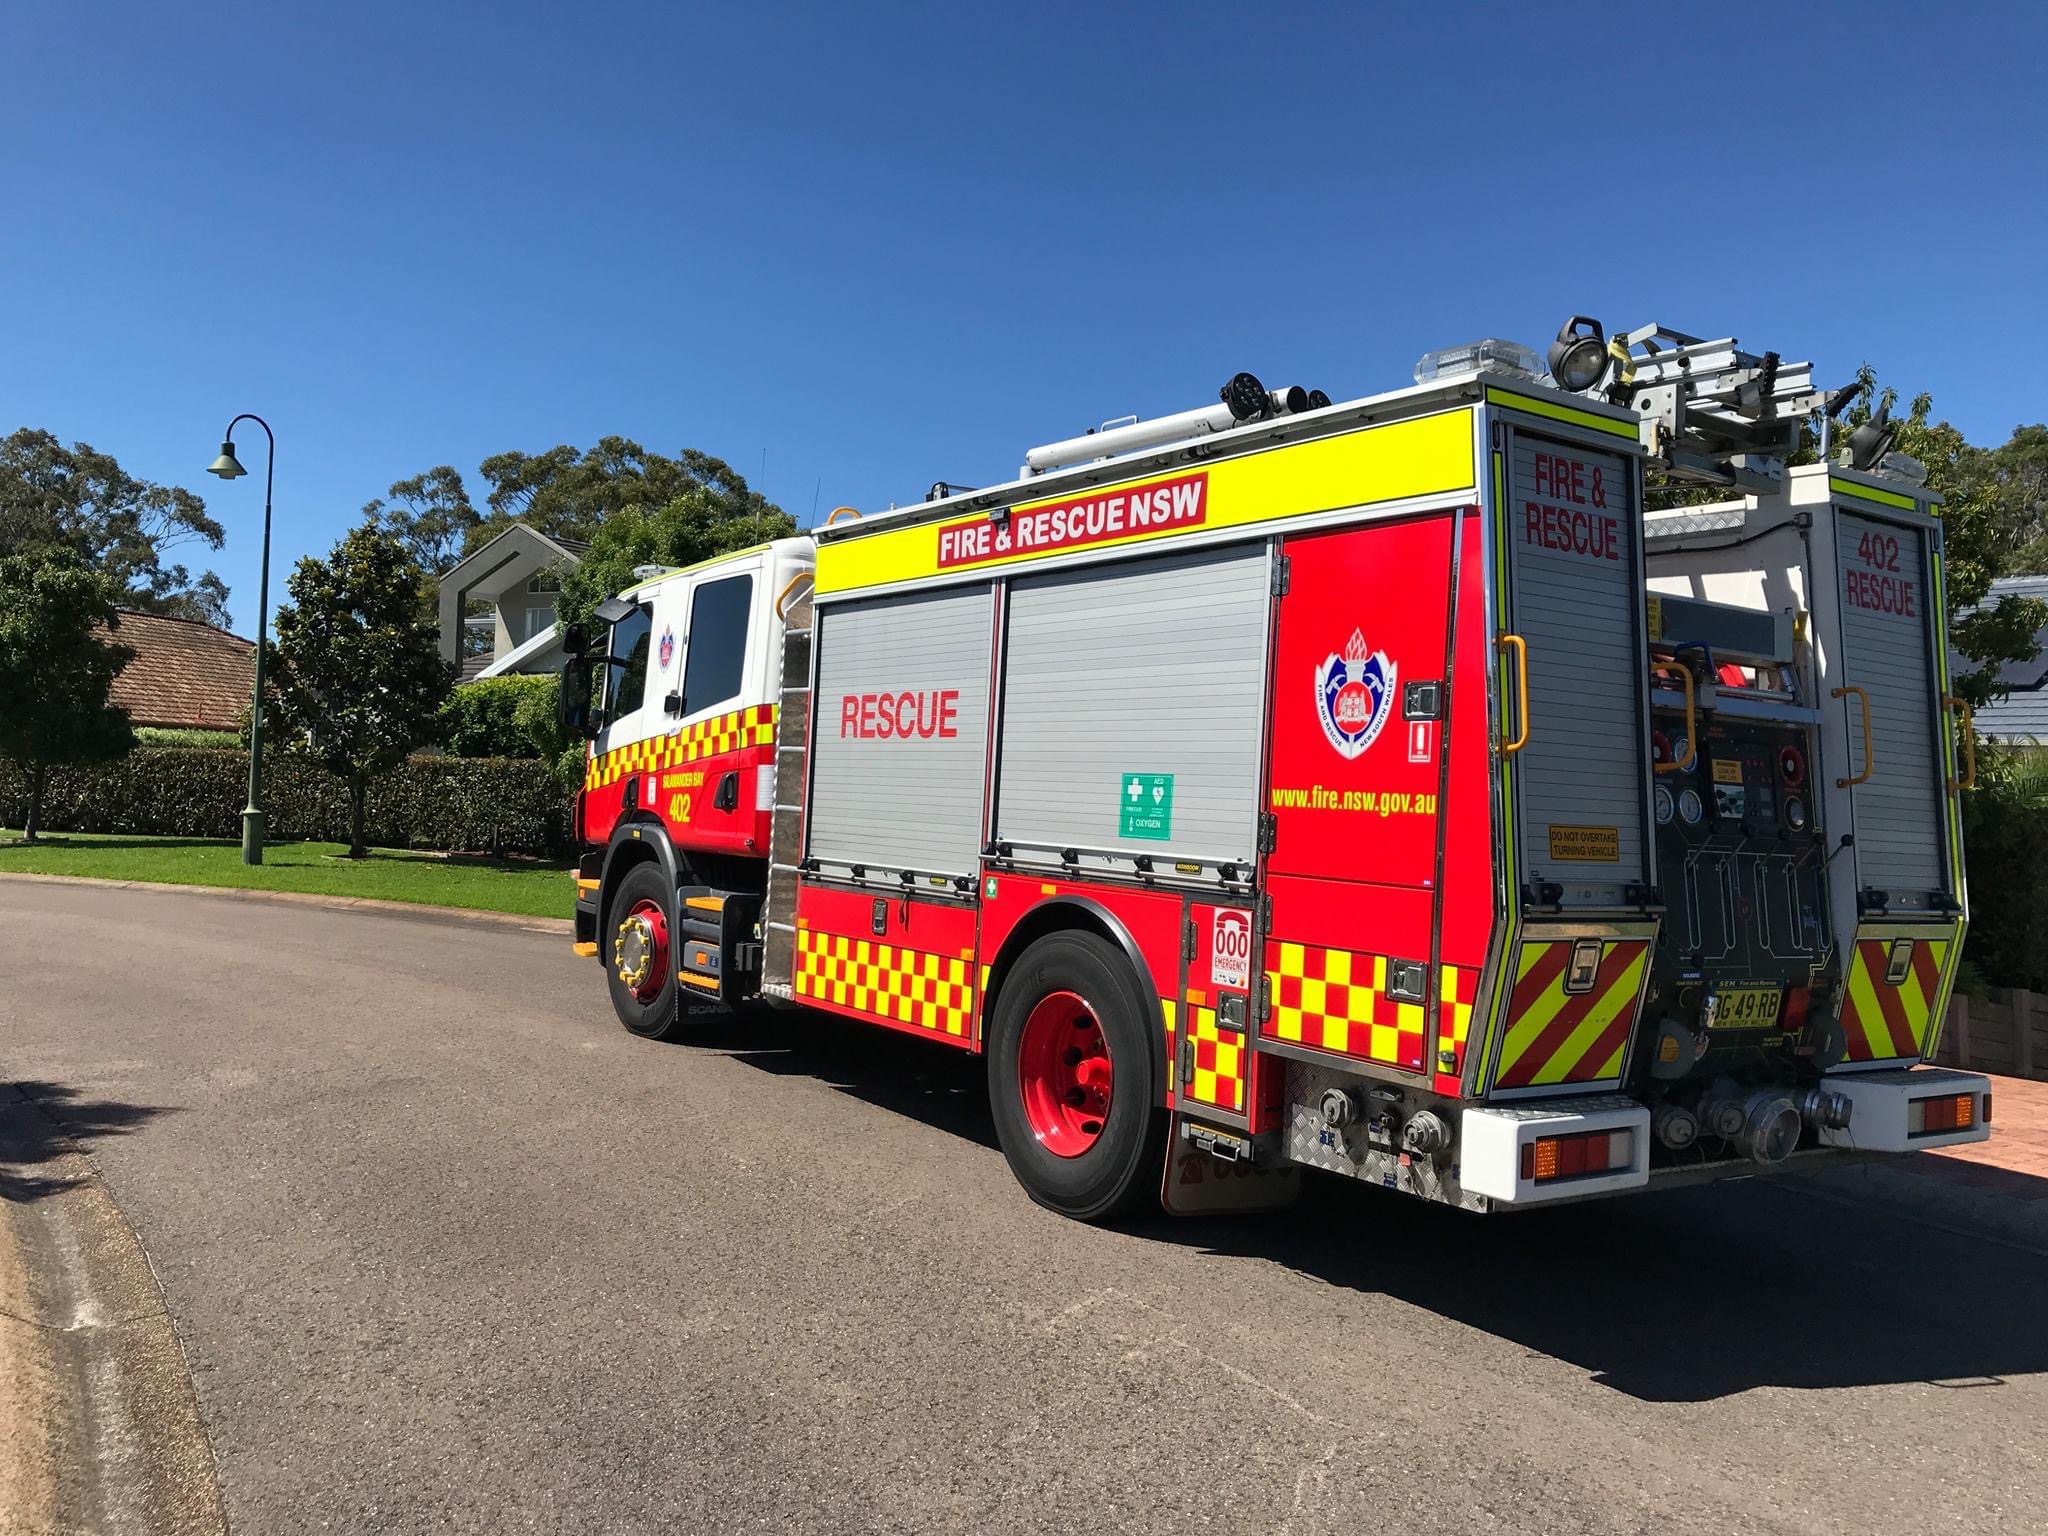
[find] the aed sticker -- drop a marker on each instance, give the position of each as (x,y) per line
(1727,770)
(988,888)
(1585,845)
(1145,806)
(1230,949)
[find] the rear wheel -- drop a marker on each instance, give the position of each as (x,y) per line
(1073,1079)
(640,959)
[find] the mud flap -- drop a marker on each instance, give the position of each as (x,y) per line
(1202,1178)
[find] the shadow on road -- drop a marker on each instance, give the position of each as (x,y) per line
(1683,1296)
(41,1122)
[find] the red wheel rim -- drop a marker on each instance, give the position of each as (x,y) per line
(1064,1074)
(640,951)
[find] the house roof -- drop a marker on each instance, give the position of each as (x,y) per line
(2023,711)
(472,567)
(521,655)
(185,673)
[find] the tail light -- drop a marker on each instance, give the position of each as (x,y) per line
(1939,1116)
(1551,1158)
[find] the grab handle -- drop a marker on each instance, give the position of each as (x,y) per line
(1521,688)
(1869,747)
(1692,731)
(838,512)
(1969,722)
(787,588)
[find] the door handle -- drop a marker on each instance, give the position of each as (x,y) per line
(1521,646)
(1869,746)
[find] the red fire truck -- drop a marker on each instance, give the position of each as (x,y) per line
(1367,786)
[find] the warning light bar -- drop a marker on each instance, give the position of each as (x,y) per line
(1550,1158)
(1940,1116)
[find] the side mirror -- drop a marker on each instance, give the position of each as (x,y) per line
(576,639)
(572,703)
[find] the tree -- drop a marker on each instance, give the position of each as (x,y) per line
(357,665)
(430,514)
(56,669)
(81,500)
(692,526)
(567,493)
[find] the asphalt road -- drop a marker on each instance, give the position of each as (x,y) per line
(449,1250)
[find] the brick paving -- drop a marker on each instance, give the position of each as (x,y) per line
(2015,1159)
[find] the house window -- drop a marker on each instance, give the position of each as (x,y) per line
(717,659)
(544,583)
(479,637)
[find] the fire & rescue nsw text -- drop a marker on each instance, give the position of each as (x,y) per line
(1181,502)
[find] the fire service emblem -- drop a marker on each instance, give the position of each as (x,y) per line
(668,648)
(1354,694)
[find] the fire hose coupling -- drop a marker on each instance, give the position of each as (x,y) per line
(1340,1107)
(1425,1134)
(1825,1109)
(1764,1124)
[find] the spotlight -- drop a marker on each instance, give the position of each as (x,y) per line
(1245,396)
(1578,358)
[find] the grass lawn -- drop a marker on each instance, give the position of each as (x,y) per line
(532,888)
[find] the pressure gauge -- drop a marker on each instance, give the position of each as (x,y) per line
(1664,806)
(1681,749)
(1689,807)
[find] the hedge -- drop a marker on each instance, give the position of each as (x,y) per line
(457,804)
(502,717)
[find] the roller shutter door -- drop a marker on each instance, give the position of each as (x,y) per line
(1886,650)
(899,737)
(1147,669)
(1577,595)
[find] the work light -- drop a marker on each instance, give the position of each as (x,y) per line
(1578,358)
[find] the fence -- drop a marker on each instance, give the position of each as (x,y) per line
(2006,1034)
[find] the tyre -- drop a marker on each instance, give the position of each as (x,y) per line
(1073,1079)
(638,947)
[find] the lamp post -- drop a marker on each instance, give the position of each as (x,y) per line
(228,467)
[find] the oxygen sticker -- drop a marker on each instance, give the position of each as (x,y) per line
(1145,806)
(1354,695)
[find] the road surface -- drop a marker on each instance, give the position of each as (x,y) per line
(448,1250)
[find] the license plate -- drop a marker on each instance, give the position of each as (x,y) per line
(1747,1007)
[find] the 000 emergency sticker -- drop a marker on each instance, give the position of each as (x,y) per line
(1230,949)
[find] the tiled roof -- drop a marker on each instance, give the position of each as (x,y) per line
(184,673)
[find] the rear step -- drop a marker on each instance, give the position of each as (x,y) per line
(717,954)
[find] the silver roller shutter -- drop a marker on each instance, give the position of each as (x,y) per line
(1577,593)
(889,800)
(1146,667)
(1886,652)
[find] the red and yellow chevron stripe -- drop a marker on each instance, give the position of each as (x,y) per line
(1556,1037)
(1885,1020)
(750,727)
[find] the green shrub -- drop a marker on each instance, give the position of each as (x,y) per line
(2005,843)
(469,805)
(187,736)
(501,717)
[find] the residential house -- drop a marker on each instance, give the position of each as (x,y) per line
(185,674)
(498,604)
(2023,713)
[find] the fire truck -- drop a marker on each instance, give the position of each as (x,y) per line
(1374,787)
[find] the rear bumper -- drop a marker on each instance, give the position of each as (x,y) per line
(1892,1108)
(1492,1139)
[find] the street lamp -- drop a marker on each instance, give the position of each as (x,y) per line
(228,467)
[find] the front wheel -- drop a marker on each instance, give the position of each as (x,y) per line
(1073,1079)
(640,955)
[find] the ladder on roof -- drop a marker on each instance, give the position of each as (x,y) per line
(1713,412)
(785,839)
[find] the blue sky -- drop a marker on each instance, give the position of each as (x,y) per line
(884,245)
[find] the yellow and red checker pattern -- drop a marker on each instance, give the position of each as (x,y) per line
(750,727)
(1554,1036)
(886,981)
(1218,1059)
(1882,1020)
(1336,1000)
(1457,990)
